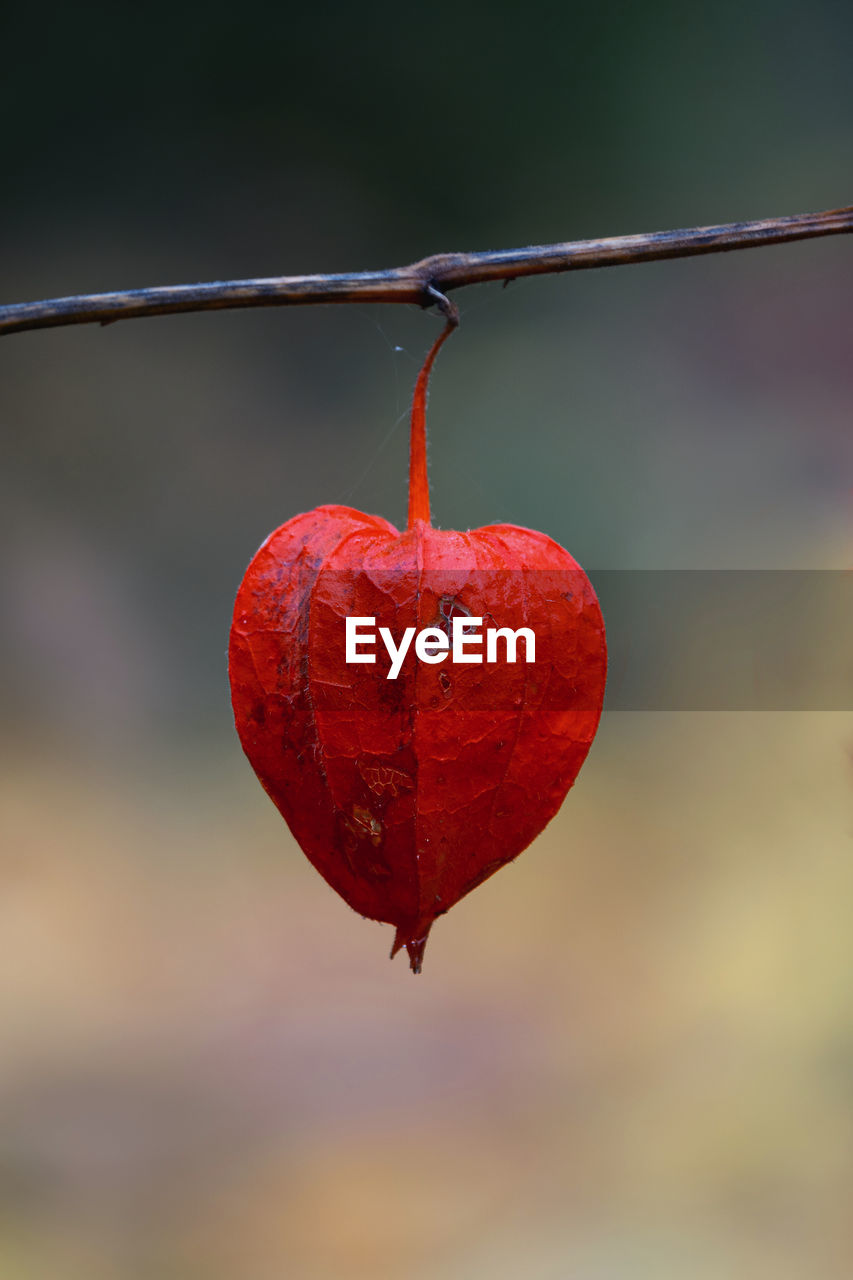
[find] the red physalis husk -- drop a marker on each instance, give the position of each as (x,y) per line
(406,793)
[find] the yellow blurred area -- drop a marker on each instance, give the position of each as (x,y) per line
(629,1054)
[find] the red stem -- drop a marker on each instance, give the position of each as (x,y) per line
(418,479)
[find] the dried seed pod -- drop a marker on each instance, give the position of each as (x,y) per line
(407,792)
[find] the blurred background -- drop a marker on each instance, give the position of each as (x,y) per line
(630,1054)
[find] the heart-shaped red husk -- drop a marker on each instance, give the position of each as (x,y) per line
(407,793)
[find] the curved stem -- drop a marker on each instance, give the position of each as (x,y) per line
(418,478)
(412,284)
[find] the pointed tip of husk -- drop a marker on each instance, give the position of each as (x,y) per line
(414,940)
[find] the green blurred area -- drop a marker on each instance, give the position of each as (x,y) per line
(629,1054)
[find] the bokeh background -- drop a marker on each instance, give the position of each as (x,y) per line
(630,1054)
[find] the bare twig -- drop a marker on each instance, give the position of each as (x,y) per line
(415,283)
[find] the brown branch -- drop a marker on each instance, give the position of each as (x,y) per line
(413,284)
